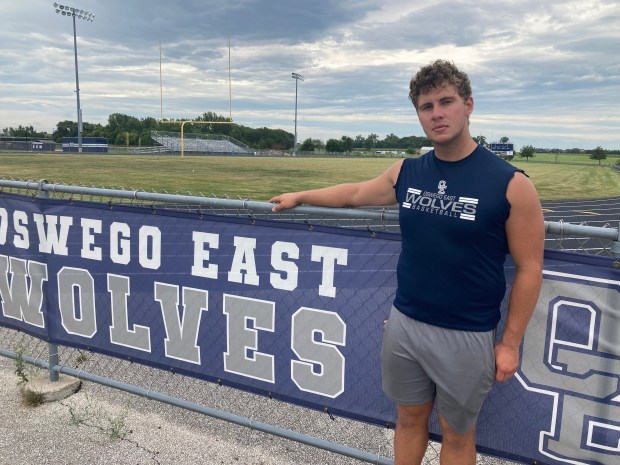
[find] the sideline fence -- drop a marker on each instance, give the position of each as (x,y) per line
(364,442)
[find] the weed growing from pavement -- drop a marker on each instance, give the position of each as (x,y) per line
(82,358)
(31,398)
(20,366)
(23,371)
(95,416)
(113,426)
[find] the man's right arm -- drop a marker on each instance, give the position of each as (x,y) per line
(378,191)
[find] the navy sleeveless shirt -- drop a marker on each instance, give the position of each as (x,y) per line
(452,216)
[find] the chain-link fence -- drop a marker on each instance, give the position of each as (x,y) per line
(582,238)
(349,440)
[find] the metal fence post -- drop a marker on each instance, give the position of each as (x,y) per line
(53,358)
(615,245)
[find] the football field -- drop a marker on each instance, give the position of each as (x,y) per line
(260,178)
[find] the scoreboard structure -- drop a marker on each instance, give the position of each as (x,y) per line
(504,148)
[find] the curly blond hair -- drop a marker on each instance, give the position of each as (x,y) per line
(437,75)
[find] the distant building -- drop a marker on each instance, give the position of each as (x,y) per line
(424,150)
(390,152)
(43,145)
(26,144)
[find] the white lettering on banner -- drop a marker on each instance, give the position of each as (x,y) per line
(90,227)
(242,356)
(150,247)
(138,337)
(329,256)
(571,353)
(277,280)
(202,254)
(244,260)
(243,264)
(315,338)
(328,379)
(181,341)
(51,240)
(19,301)
(4,225)
(53,233)
(120,245)
(20,222)
(76,301)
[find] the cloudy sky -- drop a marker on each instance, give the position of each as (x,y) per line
(545,73)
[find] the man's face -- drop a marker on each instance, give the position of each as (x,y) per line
(443,114)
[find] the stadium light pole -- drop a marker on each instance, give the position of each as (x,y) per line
(298,77)
(72,12)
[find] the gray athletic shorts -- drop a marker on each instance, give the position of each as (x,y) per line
(423,363)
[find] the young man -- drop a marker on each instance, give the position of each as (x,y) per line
(461,210)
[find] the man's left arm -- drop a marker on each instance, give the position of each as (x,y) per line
(525,230)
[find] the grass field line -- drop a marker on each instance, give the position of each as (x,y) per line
(260,178)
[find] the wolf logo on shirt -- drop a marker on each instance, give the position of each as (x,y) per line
(439,203)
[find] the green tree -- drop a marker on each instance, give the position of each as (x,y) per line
(371,141)
(481,140)
(307,146)
(598,154)
(414,143)
(64,129)
(318,144)
(359,142)
(347,144)
(391,141)
(527,152)
(22,131)
(504,139)
(334,145)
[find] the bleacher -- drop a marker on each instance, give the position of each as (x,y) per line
(200,144)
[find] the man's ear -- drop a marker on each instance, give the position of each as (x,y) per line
(469,105)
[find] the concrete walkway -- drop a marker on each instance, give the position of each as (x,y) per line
(100,425)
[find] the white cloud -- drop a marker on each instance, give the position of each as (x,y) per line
(543,73)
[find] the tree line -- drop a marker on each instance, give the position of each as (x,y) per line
(128,130)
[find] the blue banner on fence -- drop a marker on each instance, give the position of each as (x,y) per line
(296,312)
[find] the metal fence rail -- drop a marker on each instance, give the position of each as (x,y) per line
(560,235)
(366,443)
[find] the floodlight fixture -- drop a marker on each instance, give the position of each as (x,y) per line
(298,77)
(85,15)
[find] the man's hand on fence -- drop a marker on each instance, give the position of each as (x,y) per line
(284,201)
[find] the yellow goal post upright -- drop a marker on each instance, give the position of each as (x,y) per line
(184,122)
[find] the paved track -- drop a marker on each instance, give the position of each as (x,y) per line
(593,212)
(598,213)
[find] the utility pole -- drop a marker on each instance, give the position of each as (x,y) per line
(298,77)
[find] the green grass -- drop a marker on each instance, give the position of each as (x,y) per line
(564,182)
(571,158)
(261,178)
